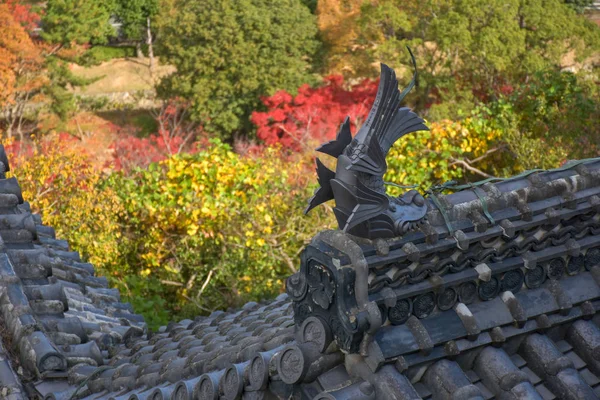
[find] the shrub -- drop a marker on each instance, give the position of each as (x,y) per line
(464,151)
(215,229)
(61,184)
(175,134)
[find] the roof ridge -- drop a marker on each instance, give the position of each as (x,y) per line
(56,310)
(539,225)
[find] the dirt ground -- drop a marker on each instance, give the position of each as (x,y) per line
(121,75)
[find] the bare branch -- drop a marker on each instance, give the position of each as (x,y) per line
(469,167)
(171,283)
(206,282)
(485,155)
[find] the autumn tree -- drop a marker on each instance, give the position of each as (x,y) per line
(176,134)
(30,73)
(21,72)
(77,21)
(338,24)
(24,14)
(314,115)
(229,53)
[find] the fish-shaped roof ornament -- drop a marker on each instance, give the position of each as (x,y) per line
(362,206)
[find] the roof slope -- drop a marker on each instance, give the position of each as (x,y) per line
(464,311)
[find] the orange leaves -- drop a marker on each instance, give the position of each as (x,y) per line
(23,14)
(8,30)
(12,34)
(338,20)
(19,56)
(7,75)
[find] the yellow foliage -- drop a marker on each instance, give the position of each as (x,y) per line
(434,157)
(60,184)
(218,217)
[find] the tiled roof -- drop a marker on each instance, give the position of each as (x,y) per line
(474,317)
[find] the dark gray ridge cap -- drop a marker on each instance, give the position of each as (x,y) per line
(10,187)
(450,381)
(416,380)
(38,354)
(468,322)
(47,232)
(388,382)
(48,242)
(585,338)
(216,356)
(560,180)
(448,243)
(583,190)
(502,377)
(507,371)
(105,395)
(358,391)
(162,393)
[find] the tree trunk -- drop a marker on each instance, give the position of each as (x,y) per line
(9,130)
(150,47)
(138,50)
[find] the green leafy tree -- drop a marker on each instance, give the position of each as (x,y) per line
(62,101)
(77,21)
(229,53)
(133,14)
(468,49)
(551,118)
(136,17)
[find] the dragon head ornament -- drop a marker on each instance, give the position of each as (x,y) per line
(362,207)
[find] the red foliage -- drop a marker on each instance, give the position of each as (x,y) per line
(248,148)
(314,114)
(175,135)
(18,150)
(23,14)
(112,147)
(506,89)
(131,151)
